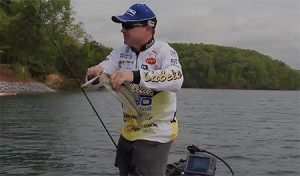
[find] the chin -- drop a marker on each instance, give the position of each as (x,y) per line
(126,42)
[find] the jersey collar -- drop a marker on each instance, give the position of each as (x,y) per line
(145,46)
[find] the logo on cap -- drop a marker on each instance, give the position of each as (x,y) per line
(130,12)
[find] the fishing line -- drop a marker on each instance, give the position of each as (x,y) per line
(73,75)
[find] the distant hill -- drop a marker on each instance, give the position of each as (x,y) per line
(213,66)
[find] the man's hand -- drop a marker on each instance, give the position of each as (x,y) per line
(94,71)
(119,77)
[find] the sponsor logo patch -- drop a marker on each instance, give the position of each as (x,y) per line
(174,61)
(141,90)
(125,56)
(144,67)
(125,64)
(150,60)
(173,53)
(144,103)
(162,76)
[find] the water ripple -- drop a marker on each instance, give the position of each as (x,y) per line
(255,132)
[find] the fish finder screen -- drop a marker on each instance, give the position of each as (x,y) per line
(198,164)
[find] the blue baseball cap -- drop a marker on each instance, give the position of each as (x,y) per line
(137,13)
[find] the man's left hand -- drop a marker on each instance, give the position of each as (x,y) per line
(119,77)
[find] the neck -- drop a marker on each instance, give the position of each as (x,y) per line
(141,45)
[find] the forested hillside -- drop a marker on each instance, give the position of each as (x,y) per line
(212,66)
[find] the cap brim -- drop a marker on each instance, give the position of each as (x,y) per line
(122,19)
(117,19)
(128,19)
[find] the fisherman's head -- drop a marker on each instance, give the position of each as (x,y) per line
(138,24)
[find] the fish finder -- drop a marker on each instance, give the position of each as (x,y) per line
(200,164)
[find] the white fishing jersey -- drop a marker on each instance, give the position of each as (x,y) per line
(157,75)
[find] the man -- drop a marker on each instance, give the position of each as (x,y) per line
(153,70)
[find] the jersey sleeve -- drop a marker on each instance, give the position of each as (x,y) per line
(168,78)
(111,63)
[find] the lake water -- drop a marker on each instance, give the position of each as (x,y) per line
(255,132)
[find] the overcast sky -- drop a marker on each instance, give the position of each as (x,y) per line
(271,27)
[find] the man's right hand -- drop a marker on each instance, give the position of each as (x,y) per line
(94,71)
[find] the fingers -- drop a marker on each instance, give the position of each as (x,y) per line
(119,77)
(94,71)
(116,80)
(112,80)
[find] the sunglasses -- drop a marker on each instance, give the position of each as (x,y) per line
(131,26)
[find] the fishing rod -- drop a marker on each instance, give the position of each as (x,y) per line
(73,75)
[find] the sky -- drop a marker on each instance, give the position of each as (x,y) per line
(271,27)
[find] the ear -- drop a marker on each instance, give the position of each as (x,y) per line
(148,28)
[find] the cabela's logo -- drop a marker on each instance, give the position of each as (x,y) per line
(162,76)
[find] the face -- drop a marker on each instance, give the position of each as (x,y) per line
(133,33)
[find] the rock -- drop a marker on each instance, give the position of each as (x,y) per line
(23,87)
(54,80)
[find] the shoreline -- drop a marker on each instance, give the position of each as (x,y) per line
(8,88)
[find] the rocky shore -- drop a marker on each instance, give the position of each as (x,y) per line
(13,88)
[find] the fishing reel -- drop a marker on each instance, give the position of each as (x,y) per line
(199,162)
